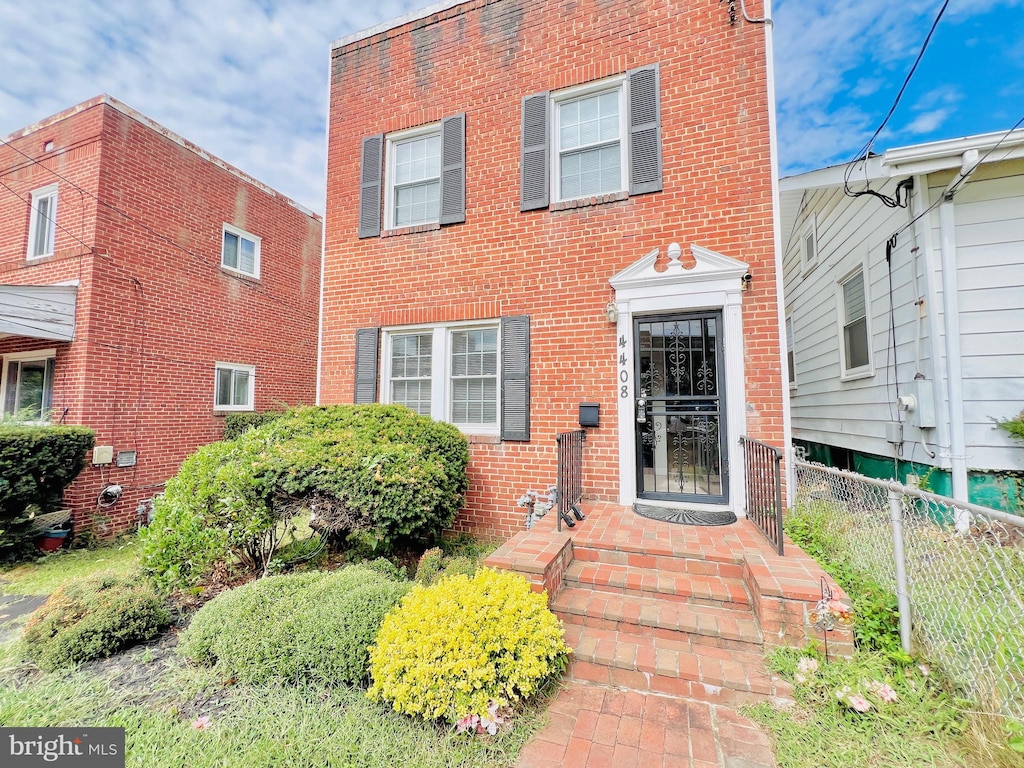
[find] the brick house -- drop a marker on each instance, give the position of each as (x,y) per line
(146,290)
(532,205)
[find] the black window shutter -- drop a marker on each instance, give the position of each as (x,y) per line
(645,130)
(366,365)
(453,169)
(533,161)
(515,378)
(369,187)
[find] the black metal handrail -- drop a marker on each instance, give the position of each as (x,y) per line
(763,465)
(570,476)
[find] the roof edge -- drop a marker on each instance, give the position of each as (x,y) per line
(398,21)
(153,125)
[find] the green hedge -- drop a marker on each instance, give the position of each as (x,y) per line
(237,423)
(36,464)
(372,475)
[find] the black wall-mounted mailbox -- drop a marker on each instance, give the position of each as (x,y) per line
(590,414)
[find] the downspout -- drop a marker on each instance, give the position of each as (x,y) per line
(773,153)
(951,320)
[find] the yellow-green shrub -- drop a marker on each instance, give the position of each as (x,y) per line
(452,648)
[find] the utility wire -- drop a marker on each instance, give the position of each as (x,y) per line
(889,202)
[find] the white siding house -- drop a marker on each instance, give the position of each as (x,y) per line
(905,315)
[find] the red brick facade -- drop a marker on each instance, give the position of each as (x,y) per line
(482,58)
(140,214)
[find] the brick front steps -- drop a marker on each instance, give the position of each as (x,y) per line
(656,607)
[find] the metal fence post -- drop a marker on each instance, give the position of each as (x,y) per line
(902,594)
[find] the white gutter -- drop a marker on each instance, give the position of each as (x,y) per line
(951,318)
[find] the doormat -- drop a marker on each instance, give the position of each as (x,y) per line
(686,516)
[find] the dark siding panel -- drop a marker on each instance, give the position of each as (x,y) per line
(533,161)
(369,189)
(645,166)
(367,340)
(453,169)
(515,378)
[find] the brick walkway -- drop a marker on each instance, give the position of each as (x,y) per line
(594,726)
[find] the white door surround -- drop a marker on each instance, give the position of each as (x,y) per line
(713,283)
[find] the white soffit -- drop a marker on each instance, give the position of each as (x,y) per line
(38,311)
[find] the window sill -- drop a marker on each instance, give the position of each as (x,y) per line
(585,202)
(856,375)
(483,439)
(219,410)
(241,275)
(433,226)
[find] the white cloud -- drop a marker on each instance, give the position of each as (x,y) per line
(926,122)
(245,80)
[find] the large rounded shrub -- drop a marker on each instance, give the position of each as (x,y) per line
(311,626)
(453,648)
(372,475)
(93,618)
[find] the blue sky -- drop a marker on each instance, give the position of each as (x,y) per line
(247,79)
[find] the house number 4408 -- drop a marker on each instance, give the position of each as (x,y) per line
(623,369)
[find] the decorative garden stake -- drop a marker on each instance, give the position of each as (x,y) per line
(829,613)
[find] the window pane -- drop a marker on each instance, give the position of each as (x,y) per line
(853,297)
(474,396)
(418,159)
(591,172)
(589,120)
(410,356)
(223,386)
(241,388)
(418,204)
(475,401)
(230,257)
(247,259)
(412,394)
(44,227)
(856,338)
(31,380)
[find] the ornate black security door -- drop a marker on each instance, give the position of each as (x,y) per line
(680,408)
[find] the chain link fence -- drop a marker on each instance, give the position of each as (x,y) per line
(957,570)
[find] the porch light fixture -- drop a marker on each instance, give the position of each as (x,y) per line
(747,280)
(611,312)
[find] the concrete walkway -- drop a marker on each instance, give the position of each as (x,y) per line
(599,727)
(13,607)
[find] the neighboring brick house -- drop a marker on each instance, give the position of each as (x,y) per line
(146,290)
(506,183)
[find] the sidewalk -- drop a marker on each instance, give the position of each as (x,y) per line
(598,727)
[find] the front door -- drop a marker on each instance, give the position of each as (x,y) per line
(680,408)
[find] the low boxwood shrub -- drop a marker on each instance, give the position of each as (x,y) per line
(455,648)
(434,564)
(308,626)
(237,423)
(93,618)
(36,464)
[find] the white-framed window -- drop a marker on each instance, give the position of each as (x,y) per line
(27,384)
(790,352)
(42,228)
(240,251)
(234,387)
(449,372)
(589,140)
(809,243)
(413,170)
(854,325)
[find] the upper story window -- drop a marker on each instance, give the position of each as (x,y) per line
(27,384)
(418,174)
(42,227)
(809,244)
(413,166)
(240,251)
(235,387)
(592,140)
(590,157)
(856,344)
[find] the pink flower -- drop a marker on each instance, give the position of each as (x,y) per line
(469,722)
(491,720)
(201,723)
(807,665)
(886,693)
(858,702)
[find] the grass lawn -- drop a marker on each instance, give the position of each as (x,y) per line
(43,575)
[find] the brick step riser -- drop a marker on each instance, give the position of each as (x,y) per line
(668,563)
(589,671)
(722,601)
(666,633)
